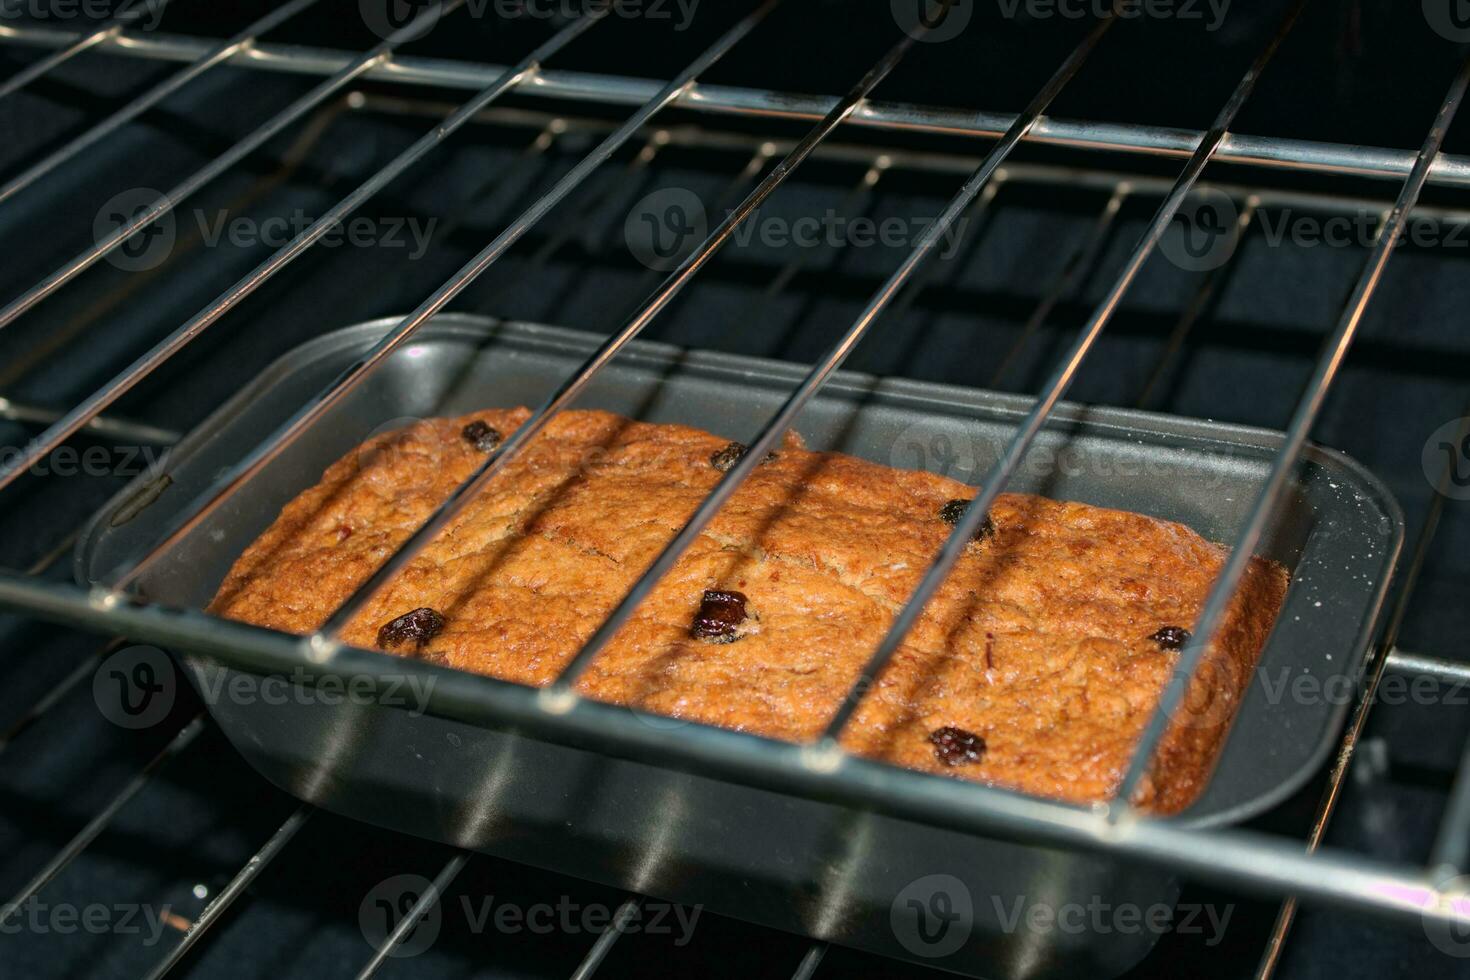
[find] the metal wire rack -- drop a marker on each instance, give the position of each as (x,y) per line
(1249,859)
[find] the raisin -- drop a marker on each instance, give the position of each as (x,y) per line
(483,436)
(720,613)
(725,459)
(952,512)
(955,746)
(417,627)
(1171,637)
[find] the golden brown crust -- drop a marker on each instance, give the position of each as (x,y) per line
(1039,642)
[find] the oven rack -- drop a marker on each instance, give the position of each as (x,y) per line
(1243,858)
(629,90)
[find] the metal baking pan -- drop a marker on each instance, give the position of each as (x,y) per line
(850,876)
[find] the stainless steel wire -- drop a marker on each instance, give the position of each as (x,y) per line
(568,390)
(1055,387)
(111,427)
(1387,658)
(1411,664)
(152,97)
(1212,617)
(420,908)
(1204,293)
(115,26)
(810,961)
(1248,859)
(84,669)
(98,823)
(558,696)
(147,363)
(456,284)
(1065,280)
(222,901)
(607,939)
(165,204)
(1232,856)
(1277,152)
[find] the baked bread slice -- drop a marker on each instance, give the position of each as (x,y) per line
(1035,667)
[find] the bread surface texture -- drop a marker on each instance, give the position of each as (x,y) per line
(1041,649)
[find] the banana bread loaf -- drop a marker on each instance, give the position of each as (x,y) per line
(1035,667)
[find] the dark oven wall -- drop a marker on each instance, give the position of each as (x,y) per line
(1230,336)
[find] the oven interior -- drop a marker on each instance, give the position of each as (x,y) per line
(168,816)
